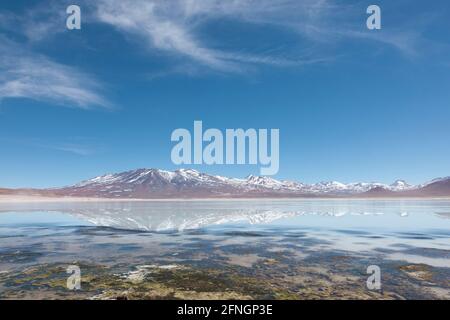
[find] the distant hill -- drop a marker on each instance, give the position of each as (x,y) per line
(379,192)
(435,188)
(5,191)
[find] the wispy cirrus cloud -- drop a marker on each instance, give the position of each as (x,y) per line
(74,145)
(79,150)
(176,26)
(24,74)
(36,23)
(150,21)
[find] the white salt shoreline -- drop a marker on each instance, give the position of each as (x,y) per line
(41,199)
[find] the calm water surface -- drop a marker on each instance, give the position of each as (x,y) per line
(217,234)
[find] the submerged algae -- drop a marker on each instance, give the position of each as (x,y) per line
(153,281)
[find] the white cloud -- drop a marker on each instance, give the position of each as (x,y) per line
(81,148)
(145,19)
(27,75)
(37,22)
(72,148)
(175,26)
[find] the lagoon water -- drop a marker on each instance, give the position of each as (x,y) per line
(242,234)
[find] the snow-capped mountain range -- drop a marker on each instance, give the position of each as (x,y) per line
(189,183)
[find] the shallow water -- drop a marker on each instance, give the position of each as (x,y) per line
(408,239)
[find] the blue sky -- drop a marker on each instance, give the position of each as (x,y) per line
(351,104)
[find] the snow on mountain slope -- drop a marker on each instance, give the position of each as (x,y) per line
(437,180)
(400,185)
